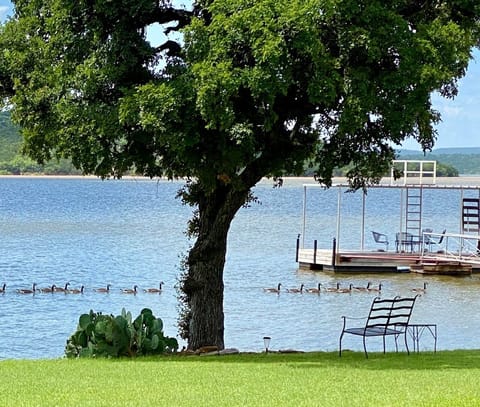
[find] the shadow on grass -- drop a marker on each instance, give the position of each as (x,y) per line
(456,359)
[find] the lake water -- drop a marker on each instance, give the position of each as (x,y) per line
(93,233)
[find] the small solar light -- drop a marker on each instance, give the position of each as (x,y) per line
(266,342)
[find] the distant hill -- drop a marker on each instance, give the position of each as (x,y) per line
(465,159)
(12,162)
(10,139)
(457,150)
(442,151)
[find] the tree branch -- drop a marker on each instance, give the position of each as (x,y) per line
(166,15)
(174,48)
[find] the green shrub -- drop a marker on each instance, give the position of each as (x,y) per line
(110,336)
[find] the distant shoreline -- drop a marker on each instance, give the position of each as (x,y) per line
(466,180)
(47,176)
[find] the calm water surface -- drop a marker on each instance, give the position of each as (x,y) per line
(93,233)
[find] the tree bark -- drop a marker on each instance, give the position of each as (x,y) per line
(203,284)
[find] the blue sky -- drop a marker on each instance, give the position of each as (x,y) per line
(460,117)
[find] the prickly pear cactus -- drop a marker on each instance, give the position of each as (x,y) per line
(114,336)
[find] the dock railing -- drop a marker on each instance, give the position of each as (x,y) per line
(458,247)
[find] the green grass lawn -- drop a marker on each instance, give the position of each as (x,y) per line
(309,379)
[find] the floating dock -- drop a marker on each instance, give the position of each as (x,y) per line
(417,249)
(385,262)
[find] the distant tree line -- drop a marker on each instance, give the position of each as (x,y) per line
(443,169)
(13,162)
(448,164)
(9,138)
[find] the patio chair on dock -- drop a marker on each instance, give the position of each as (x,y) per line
(404,241)
(430,241)
(380,238)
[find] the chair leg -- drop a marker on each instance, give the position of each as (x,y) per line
(340,345)
(365,347)
(406,342)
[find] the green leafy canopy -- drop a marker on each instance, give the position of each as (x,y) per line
(258,86)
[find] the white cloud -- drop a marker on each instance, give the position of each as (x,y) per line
(3,12)
(451,112)
(460,116)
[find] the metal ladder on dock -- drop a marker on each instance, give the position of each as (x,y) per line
(413,212)
(470,215)
(470,224)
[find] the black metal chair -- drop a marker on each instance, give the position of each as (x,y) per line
(404,240)
(380,238)
(430,241)
(387,317)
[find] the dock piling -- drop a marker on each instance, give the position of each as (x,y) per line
(298,248)
(334,252)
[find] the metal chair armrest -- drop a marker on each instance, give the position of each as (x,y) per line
(345,317)
(351,318)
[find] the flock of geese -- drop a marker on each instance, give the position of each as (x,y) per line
(67,290)
(157,290)
(335,289)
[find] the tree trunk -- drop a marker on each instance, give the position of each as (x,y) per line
(203,285)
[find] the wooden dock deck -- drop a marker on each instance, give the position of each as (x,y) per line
(385,262)
(447,268)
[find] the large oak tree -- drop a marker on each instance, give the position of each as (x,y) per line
(254,89)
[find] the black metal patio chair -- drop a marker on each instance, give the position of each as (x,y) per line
(430,241)
(404,241)
(380,238)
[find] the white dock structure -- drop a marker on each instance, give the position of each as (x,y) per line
(452,250)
